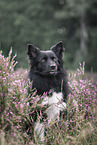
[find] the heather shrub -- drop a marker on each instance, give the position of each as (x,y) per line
(82,105)
(77,126)
(13,103)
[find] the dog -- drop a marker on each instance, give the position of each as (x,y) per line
(47,74)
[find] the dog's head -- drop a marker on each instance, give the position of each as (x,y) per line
(46,62)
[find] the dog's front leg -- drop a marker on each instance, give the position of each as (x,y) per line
(39,132)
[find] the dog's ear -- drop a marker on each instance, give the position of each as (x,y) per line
(58,49)
(32,51)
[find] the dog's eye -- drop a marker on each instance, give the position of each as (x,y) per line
(43,60)
(53,58)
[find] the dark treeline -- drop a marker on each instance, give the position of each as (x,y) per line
(44,23)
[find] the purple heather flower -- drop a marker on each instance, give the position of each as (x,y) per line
(27,103)
(21,105)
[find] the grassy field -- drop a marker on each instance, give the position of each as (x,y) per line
(79,127)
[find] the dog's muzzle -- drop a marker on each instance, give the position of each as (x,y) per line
(53,69)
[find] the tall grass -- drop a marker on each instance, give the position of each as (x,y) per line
(78,127)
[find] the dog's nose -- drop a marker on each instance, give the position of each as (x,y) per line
(53,67)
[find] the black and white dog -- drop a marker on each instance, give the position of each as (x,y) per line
(47,74)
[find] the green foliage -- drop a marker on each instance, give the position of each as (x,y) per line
(78,127)
(44,23)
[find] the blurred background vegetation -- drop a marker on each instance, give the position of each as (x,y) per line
(44,23)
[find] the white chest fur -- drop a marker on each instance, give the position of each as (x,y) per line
(55,105)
